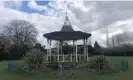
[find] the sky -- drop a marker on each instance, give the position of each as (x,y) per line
(93,17)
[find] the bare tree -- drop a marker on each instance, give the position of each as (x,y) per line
(20,32)
(120,39)
(122,42)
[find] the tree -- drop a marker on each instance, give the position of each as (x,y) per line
(20,32)
(96,45)
(4,46)
(22,35)
(97,48)
(120,39)
(16,52)
(67,49)
(40,47)
(90,49)
(120,44)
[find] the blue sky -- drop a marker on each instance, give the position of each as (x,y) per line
(25,8)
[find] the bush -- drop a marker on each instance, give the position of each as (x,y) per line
(3,56)
(14,56)
(36,60)
(98,62)
(16,52)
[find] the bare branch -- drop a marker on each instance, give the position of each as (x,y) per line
(20,32)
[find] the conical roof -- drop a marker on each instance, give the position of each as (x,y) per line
(67,25)
(67,33)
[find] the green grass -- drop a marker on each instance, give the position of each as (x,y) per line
(47,76)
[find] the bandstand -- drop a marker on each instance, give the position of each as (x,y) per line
(69,34)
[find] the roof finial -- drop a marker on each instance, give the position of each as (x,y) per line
(66,15)
(67,25)
(66,22)
(66,10)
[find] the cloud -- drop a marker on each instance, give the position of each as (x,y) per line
(113,12)
(33,5)
(15,4)
(42,23)
(93,17)
(97,16)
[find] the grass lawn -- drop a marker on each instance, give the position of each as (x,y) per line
(45,76)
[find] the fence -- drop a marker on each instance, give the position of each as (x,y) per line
(115,66)
(120,64)
(107,64)
(19,67)
(65,70)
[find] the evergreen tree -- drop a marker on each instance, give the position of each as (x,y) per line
(97,48)
(96,45)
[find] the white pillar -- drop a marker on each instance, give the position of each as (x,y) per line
(87,49)
(47,49)
(61,50)
(84,50)
(63,57)
(76,54)
(71,57)
(74,49)
(50,50)
(58,51)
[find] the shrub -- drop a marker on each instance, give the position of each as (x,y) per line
(98,62)
(36,60)
(3,56)
(16,52)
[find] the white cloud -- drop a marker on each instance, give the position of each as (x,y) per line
(33,5)
(1,3)
(86,16)
(13,4)
(43,23)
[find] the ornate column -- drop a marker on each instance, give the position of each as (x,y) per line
(63,57)
(84,49)
(76,53)
(87,49)
(47,50)
(61,50)
(50,50)
(58,49)
(71,57)
(74,49)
